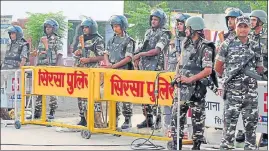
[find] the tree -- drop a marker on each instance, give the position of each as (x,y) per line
(139,17)
(35,29)
(261,5)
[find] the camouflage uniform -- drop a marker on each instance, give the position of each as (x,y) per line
(195,56)
(118,48)
(55,45)
(94,46)
(173,53)
(230,12)
(262,41)
(229,35)
(156,38)
(193,95)
(173,59)
(241,91)
(16,50)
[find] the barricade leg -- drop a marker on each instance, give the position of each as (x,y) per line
(112,115)
(90,113)
(43,114)
(23,96)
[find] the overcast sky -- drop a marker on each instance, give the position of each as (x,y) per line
(98,10)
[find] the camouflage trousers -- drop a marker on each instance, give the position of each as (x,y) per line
(127,109)
(197,106)
(52,104)
(238,102)
(10,64)
(148,109)
(82,106)
(167,116)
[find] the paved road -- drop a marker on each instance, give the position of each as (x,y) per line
(68,113)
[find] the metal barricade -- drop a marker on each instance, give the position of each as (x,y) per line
(136,87)
(85,83)
(11,95)
(37,91)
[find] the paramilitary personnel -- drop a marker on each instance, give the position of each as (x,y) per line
(151,58)
(240,92)
(118,55)
(49,54)
(89,55)
(195,65)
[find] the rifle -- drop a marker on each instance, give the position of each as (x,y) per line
(236,72)
(45,42)
(81,41)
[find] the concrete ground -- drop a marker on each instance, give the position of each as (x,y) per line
(34,137)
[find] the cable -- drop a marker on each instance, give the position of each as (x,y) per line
(150,145)
(57,145)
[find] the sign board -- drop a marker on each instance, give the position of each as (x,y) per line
(215,107)
(5,23)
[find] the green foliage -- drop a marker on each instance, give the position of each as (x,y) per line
(258,4)
(35,29)
(139,17)
(138,12)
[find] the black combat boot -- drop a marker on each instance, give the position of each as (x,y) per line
(127,123)
(196,145)
(240,137)
(158,123)
(51,115)
(148,122)
(174,144)
(37,115)
(82,121)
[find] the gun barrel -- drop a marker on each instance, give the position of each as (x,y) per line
(253,75)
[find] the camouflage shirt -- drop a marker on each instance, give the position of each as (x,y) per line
(262,41)
(55,45)
(93,47)
(229,35)
(195,56)
(16,50)
(173,54)
(190,61)
(155,38)
(234,53)
(118,48)
(178,42)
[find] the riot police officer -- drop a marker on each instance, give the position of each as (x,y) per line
(151,58)
(259,34)
(194,67)
(89,56)
(173,55)
(49,53)
(231,14)
(180,30)
(118,55)
(17,52)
